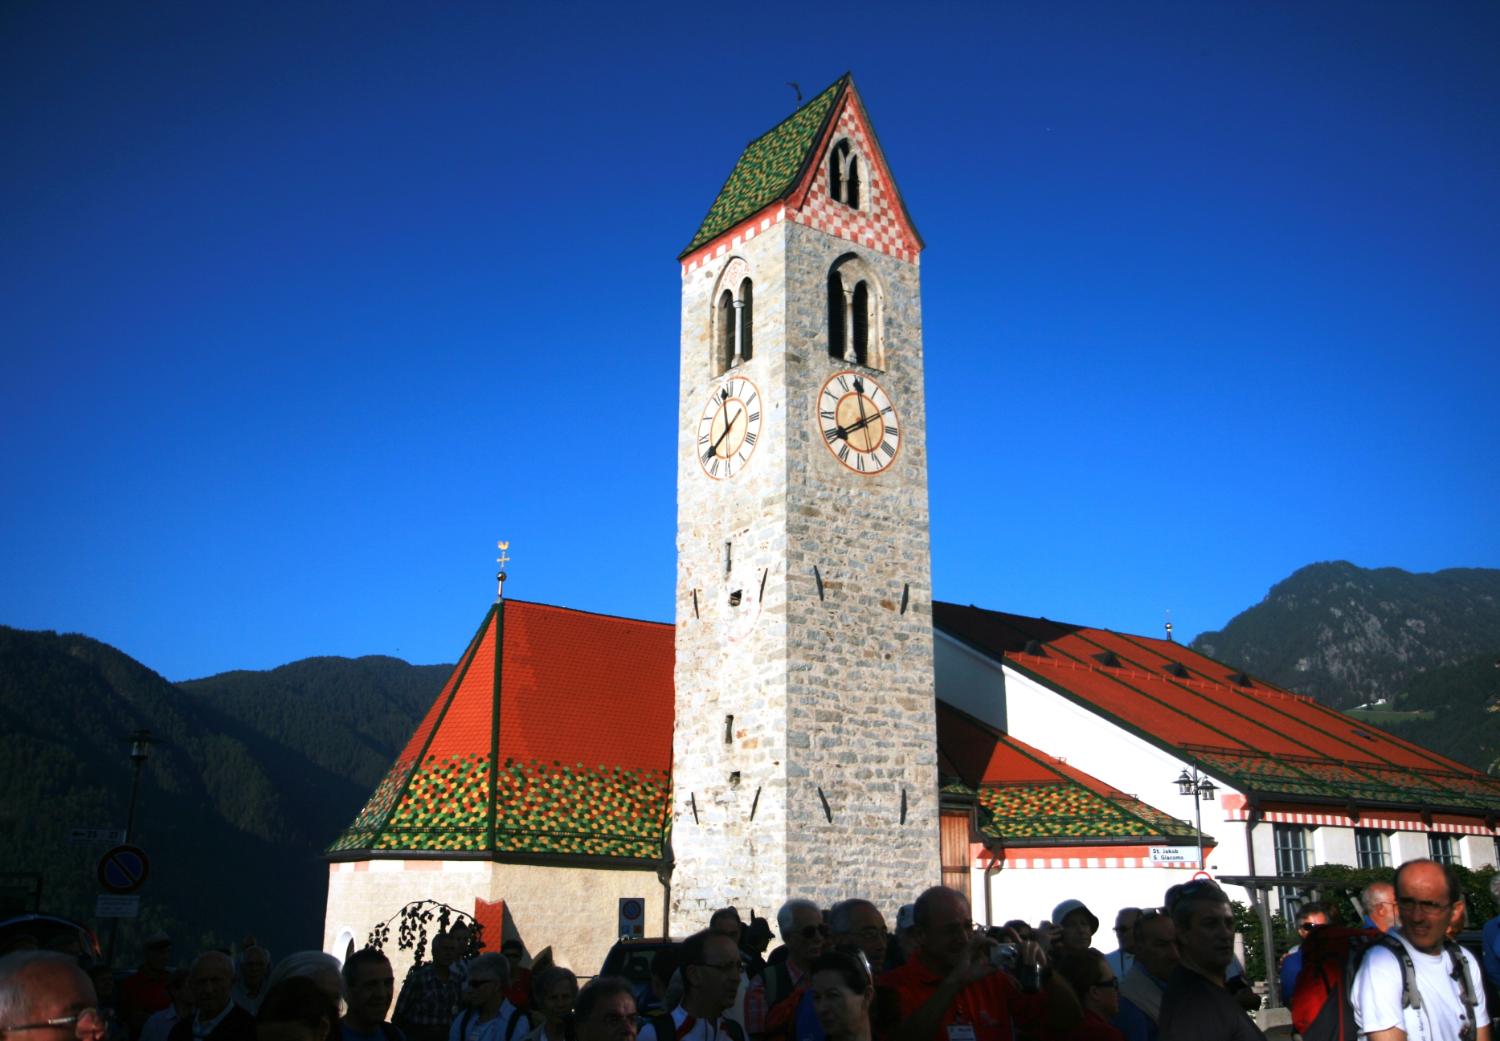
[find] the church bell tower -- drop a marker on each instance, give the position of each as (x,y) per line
(804,750)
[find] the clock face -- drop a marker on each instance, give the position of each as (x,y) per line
(859,422)
(729,427)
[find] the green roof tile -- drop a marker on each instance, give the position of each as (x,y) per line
(539,808)
(769,167)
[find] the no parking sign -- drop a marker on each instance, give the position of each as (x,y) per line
(632,918)
(123,870)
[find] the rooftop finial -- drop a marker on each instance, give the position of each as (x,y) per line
(798,89)
(1169,625)
(502,560)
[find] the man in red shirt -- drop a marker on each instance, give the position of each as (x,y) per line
(950,990)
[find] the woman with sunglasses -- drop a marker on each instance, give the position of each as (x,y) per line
(1094,981)
(842,993)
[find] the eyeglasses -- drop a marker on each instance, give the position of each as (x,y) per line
(473,982)
(87,1025)
(1113,983)
(1412,906)
(725,967)
(807,932)
(872,932)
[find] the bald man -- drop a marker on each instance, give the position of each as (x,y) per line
(45,996)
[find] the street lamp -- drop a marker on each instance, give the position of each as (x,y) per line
(140,751)
(1202,790)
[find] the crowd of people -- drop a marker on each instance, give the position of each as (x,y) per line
(840,974)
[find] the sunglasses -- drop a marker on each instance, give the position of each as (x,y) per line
(1113,983)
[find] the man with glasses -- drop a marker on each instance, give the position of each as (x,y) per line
(1429,898)
(853,925)
(1123,958)
(710,966)
(1311,915)
(953,990)
(805,935)
(1379,902)
(45,996)
(490,1016)
(1196,1005)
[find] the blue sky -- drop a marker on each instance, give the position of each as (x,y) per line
(302,306)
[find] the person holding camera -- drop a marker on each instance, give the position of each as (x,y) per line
(954,988)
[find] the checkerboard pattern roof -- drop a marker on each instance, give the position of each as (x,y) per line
(782,165)
(552,736)
(1025,796)
(1265,741)
(770,167)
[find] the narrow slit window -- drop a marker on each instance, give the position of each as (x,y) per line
(746,319)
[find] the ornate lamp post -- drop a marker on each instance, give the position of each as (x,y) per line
(1201,789)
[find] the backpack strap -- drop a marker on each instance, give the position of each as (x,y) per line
(733,1029)
(1411,997)
(517,1017)
(1461,974)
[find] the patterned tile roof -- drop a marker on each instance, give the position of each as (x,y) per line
(1266,741)
(533,747)
(770,166)
(1024,795)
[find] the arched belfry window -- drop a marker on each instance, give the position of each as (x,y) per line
(733,317)
(854,313)
(844,180)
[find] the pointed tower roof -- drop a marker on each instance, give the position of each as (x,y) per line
(777,166)
(533,749)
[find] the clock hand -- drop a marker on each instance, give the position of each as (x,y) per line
(728,426)
(864,421)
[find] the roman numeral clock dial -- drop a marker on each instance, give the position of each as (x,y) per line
(729,427)
(858,422)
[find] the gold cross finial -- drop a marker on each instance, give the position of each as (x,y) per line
(502,560)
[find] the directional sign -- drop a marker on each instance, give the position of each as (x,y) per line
(103,836)
(124,869)
(112,905)
(1174,854)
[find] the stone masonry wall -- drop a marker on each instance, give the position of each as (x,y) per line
(832,692)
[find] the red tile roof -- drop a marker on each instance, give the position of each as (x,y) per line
(1266,740)
(1026,797)
(564,748)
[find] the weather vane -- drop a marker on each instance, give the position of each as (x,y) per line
(502,560)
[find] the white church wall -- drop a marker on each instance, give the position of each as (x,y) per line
(968,680)
(1041,717)
(574,910)
(1407,845)
(1334,846)
(1477,851)
(1032,893)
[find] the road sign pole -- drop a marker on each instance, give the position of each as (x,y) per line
(140,750)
